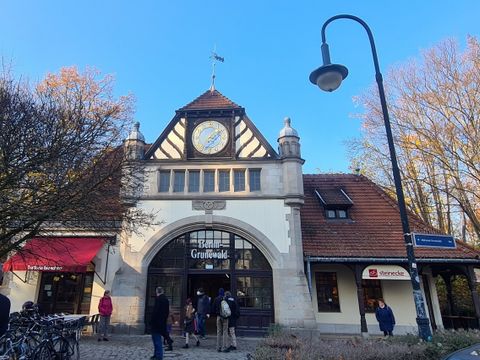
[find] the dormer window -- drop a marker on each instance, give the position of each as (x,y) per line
(335,201)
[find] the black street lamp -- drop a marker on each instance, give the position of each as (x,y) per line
(329,77)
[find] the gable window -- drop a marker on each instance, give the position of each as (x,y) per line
(327,292)
(372,291)
(336,214)
(178,181)
(239,180)
(164,185)
(193,181)
(208,181)
(224,180)
(254,178)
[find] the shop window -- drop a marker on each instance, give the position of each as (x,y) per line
(179,181)
(224,180)
(254,177)
(208,181)
(372,291)
(164,185)
(193,181)
(327,292)
(239,180)
(254,292)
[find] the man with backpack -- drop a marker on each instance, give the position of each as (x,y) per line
(221,309)
(232,320)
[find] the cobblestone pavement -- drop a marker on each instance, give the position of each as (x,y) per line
(140,347)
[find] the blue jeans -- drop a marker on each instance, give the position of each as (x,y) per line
(201,319)
(157,346)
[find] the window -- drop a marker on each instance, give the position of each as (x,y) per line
(254,292)
(224,180)
(331,214)
(164,181)
(178,181)
(336,214)
(372,290)
(239,180)
(254,177)
(327,292)
(248,257)
(194,181)
(209,181)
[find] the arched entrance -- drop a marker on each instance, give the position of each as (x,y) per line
(212,259)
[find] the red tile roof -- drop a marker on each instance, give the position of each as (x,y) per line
(374,229)
(211,99)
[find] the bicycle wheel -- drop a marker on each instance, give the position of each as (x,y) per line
(44,352)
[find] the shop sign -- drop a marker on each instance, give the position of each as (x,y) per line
(209,249)
(44,267)
(385,272)
(434,241)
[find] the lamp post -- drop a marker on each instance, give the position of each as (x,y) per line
(329,77)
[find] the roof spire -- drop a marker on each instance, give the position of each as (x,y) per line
(215,57)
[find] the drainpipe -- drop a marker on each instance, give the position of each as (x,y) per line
(309,276)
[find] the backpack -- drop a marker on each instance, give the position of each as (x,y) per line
(225,311)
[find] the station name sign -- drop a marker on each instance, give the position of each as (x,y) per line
(209,249)
(434,241)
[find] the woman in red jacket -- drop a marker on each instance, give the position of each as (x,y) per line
(105,309)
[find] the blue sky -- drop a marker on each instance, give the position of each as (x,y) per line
(159,51)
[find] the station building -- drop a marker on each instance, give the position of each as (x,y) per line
(310,252)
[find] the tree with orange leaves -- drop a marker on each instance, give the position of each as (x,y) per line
(61,160)
(434,104)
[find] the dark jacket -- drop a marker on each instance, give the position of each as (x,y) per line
(161,309)
(215,310)
(4,313)
(385,318)
(235,309)
(203,305)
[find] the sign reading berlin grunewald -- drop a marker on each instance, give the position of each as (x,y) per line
(434,241)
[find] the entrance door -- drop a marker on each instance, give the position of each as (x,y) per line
(210,283)
(65,293)
(214,259)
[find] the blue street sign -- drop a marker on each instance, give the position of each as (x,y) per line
(434,241)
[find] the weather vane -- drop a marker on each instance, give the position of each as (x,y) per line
(215,57)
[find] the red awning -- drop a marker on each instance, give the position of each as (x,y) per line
(65,254)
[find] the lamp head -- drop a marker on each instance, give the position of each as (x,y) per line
(329,76)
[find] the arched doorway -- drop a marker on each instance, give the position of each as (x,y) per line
(212,259)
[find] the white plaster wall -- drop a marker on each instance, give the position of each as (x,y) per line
(397,294)
(100,261)
(19,292)
(267,216)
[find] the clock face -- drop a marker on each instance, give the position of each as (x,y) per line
(210,137)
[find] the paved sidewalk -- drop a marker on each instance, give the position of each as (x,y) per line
(140,347)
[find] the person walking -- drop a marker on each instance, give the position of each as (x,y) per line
(219,308)
(189,327)
(158,322)
(105,309)
(4,313)
(232,320)
(385,318)
(203,312)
